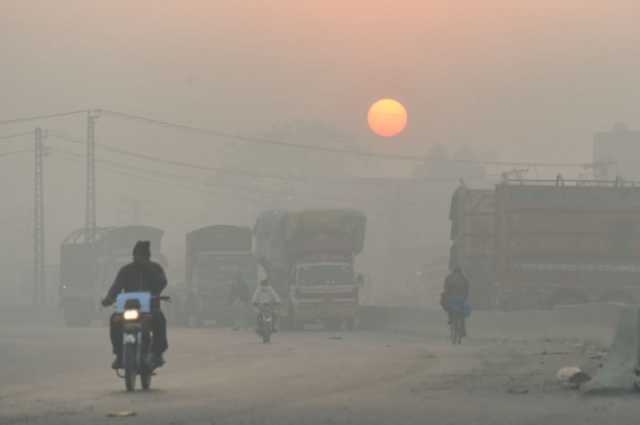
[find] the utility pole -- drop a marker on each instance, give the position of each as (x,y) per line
(38,224)
(90,209)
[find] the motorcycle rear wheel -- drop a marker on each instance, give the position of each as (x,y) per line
(456,330)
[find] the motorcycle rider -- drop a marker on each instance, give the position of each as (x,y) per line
(265,294)
(455,293)
(141,275)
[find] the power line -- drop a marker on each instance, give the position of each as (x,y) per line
(155,176)
(145,173)
(124,166)
(255,140)
(9,137)
(15,152)
(303,179)
(266,141)
(123,170)
(352,152)
(43,117)
(180,163)
(135,171)
(253,194)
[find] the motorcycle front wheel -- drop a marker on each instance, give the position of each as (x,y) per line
(264,330)
(145,379)
(266,336)
(130,367)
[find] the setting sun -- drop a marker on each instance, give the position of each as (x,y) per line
(387,117)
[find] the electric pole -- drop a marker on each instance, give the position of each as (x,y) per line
(90,209)
(38,224)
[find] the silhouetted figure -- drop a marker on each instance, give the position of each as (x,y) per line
(265,294)
(141,275)
(455,293)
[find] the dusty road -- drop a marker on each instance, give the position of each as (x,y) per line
(54,375)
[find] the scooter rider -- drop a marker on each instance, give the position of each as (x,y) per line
(265,294)
(142,275)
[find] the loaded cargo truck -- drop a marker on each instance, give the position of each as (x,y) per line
(309,257)
(87,269)
(214,257)
(472,218)
(560,242)
(540,243)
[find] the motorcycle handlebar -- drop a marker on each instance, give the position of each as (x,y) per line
(155,297)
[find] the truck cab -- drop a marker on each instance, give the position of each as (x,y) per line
(324,274)
(324,291)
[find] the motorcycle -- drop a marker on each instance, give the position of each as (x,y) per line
(265,322)
(458,311)
(134,310)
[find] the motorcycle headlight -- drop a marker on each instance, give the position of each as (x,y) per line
(131,314)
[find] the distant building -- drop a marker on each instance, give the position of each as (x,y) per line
(616,153)
(439,165)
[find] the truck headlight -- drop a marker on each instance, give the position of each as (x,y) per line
(131,314)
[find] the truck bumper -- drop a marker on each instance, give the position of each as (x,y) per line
(311,311)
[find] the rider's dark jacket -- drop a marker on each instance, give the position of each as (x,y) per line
(456,285)
(139,276)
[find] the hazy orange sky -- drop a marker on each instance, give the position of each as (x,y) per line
(516,75)
(527,79)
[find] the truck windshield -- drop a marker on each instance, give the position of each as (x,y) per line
(325,274)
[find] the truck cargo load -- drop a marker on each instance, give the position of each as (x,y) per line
(567,242)
(472,216)
(538,243)
(336,232)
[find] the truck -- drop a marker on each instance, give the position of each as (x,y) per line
(309,258)
(472,216)
(561,242)
(88,267)
(214,257)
